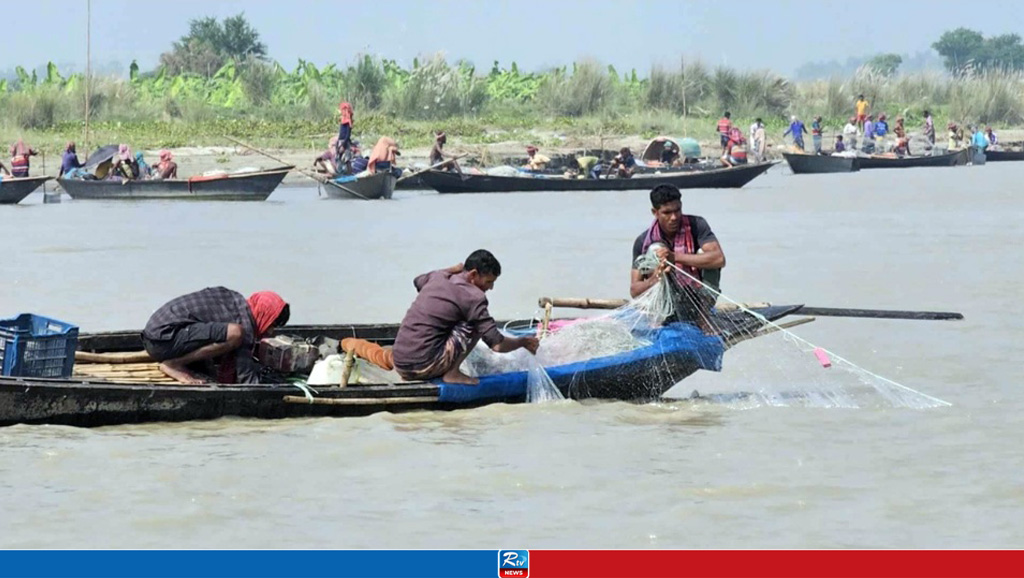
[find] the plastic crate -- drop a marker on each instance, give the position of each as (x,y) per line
(37,346)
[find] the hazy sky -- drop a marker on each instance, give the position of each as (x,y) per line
(776,34)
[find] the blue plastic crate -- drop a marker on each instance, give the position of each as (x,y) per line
(37,346)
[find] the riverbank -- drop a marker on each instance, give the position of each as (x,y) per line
(483,146)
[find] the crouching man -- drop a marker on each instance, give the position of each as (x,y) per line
(210,324)
(447,319)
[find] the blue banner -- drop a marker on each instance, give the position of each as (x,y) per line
(250,564)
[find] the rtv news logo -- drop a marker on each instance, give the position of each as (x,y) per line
(513,563)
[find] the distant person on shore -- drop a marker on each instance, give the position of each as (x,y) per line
(816,135)
(850,133)
(753,128)
(869,134)
(724,125)
(69,163)
(145,171)
(623,164)
(20,153)
(798,130)
(125,165)
(325,162)
(383,156)
(993,140)
(929,128)
(669,153)
(979,140)
(447,319)
(840,147)
(735,153)
(881,128)
(902,138)
(213,324)
(581,167)
(535,161)
(344,153)
(955,136)
(861,108)
(166,168)
(437,155)
(759,142)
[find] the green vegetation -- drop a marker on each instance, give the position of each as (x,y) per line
(216,81)
(885,64)
(966,51)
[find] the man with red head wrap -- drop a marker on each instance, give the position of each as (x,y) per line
(215,323)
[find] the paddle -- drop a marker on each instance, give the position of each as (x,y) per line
(309,174)
(319,178)
(432,167)
(585,303)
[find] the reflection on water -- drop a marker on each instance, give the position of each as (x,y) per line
(676,474)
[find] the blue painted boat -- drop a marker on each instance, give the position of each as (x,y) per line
(675,352)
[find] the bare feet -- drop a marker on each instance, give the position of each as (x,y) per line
(456,376)
(180,374)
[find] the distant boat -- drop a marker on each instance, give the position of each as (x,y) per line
(806,164)
(12,190)
(997,156)
(952,159)
(724,178)
(255,186)
(380,185)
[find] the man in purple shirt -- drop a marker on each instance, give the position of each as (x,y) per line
(447,319)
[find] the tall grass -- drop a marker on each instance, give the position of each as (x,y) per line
(587,98)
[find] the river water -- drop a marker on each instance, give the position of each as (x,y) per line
(593,475)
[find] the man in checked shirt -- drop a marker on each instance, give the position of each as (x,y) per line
(215,324)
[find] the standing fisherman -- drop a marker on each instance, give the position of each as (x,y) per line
(344,151)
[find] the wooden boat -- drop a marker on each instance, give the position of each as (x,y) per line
(809,164)
(724,178)
(955,158)
(677,351)
(998,156)
(13,190)
(371,187)
(229,187)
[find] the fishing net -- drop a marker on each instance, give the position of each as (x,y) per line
(774,367)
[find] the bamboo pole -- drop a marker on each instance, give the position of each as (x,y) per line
(359,400)
(88,68)
(116,357)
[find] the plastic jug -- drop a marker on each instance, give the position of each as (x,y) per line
(327,371)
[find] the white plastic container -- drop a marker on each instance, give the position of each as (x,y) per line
(327,371)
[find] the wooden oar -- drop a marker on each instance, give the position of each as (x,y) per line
(310,174)
(432,167)
(585,303)
(320,178)
(880,313)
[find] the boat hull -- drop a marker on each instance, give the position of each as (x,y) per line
(13,191)
(725,178)
(953,159)
(637,376)
(1001,156)
(814,164)
(238,187)
(369,188)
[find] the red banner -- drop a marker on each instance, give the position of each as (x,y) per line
(776,564)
